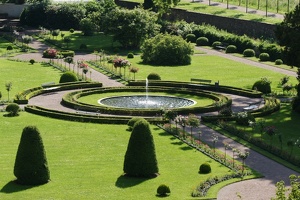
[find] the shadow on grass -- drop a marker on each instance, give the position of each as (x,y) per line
(12,187)
(127,181)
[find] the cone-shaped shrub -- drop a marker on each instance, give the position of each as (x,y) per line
(140,158)
(31,167)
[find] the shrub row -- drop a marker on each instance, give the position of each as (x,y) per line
(209,87)
(70,100)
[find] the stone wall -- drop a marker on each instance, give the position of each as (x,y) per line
(12,10)
(237,26)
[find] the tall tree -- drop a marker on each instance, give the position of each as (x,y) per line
(288,35)
(140,158)
(31,166)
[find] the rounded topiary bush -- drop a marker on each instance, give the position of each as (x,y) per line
(249,53)
(9,48)
(263,85)
(231,49)
(32,61)
(278,62)
(205,168)
(68,77)
(71,30)
(264,57)
(191,38)
(13,109)
(132,121)
(31,166)
(202,41)
(215,44)
(130,55)
(153,76)
(140,157)
(163,190)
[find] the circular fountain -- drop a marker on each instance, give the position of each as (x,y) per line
(147,102)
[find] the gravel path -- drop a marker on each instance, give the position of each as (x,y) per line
(256,189)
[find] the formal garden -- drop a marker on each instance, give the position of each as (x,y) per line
(96,151)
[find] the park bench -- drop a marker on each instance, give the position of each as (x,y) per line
(223,46)
(200,80)
(253,106)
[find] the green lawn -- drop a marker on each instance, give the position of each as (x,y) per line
(86,161)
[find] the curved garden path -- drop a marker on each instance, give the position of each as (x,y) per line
(256,189)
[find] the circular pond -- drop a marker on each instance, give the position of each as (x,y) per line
(146,102)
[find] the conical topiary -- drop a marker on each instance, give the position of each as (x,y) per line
(140,158)
(31,167)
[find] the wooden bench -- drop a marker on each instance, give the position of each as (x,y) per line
(200,80)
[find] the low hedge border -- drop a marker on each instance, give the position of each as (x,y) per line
(70,100)
(271,105)
(210,87)
(96,118)
(24,96)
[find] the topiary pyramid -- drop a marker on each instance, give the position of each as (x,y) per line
(31,166)
(140,158)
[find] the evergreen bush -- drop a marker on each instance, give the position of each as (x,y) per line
(243,118)
(9,48)
(32,61)
(83,46)
(249,53)
(13,109)
(153,76)
(278,62)
(140,158)
(204,168)
(31,166)
(263,85)
(163,190)
(202,41)
(132,121)
(264,57)
(130,55)
(191,38)
(68,77)
(231,49)
(215,44)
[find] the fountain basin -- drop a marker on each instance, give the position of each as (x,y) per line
(146,102)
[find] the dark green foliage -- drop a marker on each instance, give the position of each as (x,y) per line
(215,44)
(165,49)
(87,26)
(205,168)
(231,49)
(264,57)
(83,46)
(274,50)
(153,76)
(132,121)
(13,109)
(31,167)
(71,30)
(9,48)
(249,53)
(68,77)
(263,85)
(163,190)
(243,118)
(278,62)
(288,34)
(190,38)
(202,41)
(35,14)
(130,55)
(140,158)
(296,104)
(148,4)
(32,61)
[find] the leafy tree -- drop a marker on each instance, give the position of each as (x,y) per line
(291,193)
(288,34)
(8,87)
(165,49)
(87,26)
(140,158)
(69,60)
(133,70)
(13,109)
(31,166)
(193,121)
(131,27)
(164,6)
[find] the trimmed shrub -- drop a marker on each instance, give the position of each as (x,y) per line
(68,77)
(9,48)
(132,121)
(243,118)
(130,55)
(264,57)
(153,76)
(31,166)
(165,49)
(140,158)
(67,53)
(13,109)
(215,44)
(263,85)
(249,53)
(163,190)
(190,38)
(278,62)
(71,30)
(202,41)
(32,61)
(204,168)
(231,49)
